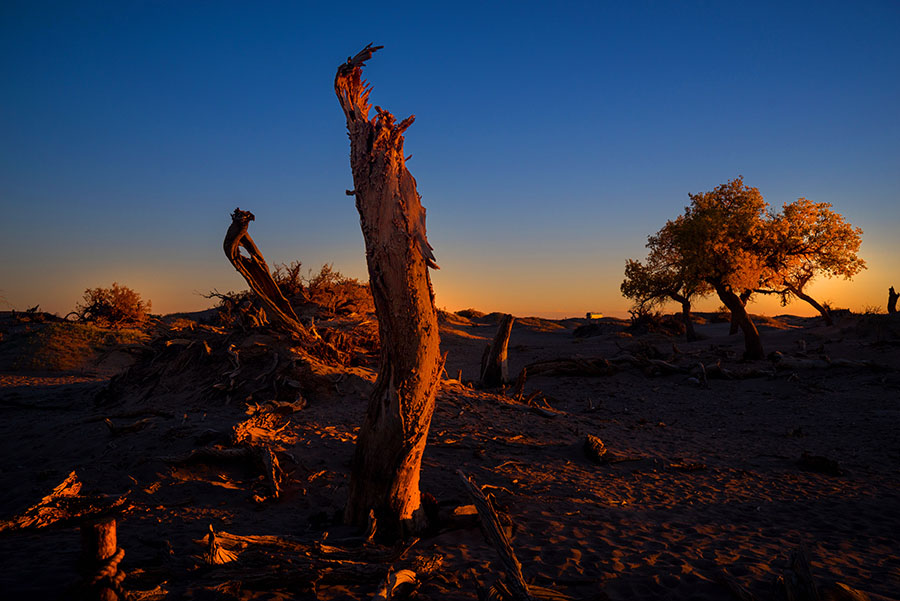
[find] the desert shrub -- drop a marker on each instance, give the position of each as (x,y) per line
(872,310)
(336,294)
(114,306)
(470,314)
(289,279)
(236,309)
(654,323)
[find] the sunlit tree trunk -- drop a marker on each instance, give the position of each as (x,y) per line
(388,454)
(752,344)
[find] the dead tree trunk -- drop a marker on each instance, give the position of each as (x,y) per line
(495,370)
(892,300)
(256,272)
(388,455)
(753,348)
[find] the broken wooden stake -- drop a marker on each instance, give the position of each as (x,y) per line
(100,557)
(494,368)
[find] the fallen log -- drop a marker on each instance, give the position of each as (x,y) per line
(496,536)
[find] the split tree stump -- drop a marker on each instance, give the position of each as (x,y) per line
(494,367)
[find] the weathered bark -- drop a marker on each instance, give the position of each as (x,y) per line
(735,323)
(100,557)
(805,297)
(388,455)
(753,348)
(892,300)
(256,272)
(495,368)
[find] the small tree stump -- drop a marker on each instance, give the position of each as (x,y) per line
(100,557)
(495,370)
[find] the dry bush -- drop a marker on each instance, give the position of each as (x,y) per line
(236,309)
(115,306)
(289,280)
(325,295)
(336,294)
(644,322)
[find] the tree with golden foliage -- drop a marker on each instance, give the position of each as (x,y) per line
(662,278)
(728,242)
(804,240)
(721,239)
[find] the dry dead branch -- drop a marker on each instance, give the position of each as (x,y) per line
(256,272)
(497,537)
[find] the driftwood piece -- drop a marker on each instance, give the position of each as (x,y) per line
(496,536)
(595,450)
(262,455)
(388,454)
(256,272)
(402,583)
(494,368)
(216,554)
(65,505)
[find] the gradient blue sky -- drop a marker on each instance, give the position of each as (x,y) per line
(550,139)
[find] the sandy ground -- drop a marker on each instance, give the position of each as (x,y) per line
(714,479)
